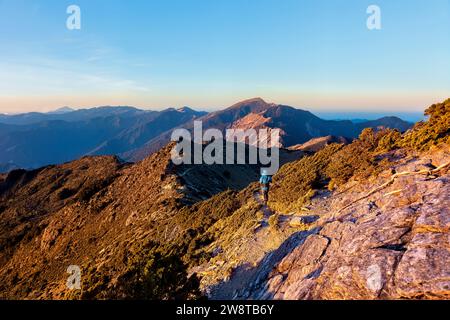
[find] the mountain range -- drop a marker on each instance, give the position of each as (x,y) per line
(33,140)
(361,219)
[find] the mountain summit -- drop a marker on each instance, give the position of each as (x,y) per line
(61,110)
(36,139)
(254,104)
(296,126)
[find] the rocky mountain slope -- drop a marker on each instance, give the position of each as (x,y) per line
(392,244)
(377,231)
(364,220)
(296,126)
(92,212)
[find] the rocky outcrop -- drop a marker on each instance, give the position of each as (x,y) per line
(393,245)
(384,235)
(317,144)
(92,213)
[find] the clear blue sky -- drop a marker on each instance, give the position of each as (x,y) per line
(316,54)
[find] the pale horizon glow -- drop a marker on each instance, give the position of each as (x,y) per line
(208,55)
(343,104)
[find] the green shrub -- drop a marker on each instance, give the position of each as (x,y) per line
(155,274)
(94,285)
(273,221)
(361,159)
(432,132)
(295,182)
(152,272)
(390,140)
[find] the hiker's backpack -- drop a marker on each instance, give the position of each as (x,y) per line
(265,179)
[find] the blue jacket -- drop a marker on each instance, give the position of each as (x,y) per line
(265,179)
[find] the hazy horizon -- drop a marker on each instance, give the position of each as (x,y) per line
(155,54)
(327,114)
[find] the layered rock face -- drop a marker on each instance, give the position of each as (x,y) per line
(393,244)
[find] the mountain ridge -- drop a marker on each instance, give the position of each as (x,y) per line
(380,200)
(133,134)
(297,126)
(100,131)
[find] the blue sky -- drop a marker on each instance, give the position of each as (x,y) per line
(315,54)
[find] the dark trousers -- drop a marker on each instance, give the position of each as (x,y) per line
(265,192)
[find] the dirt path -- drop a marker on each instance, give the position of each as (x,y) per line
(260,250)
(267,212)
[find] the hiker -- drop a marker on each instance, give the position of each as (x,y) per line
(265,184)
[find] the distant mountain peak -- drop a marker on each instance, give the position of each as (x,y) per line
(185,109)
(62,110)
(251,102)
